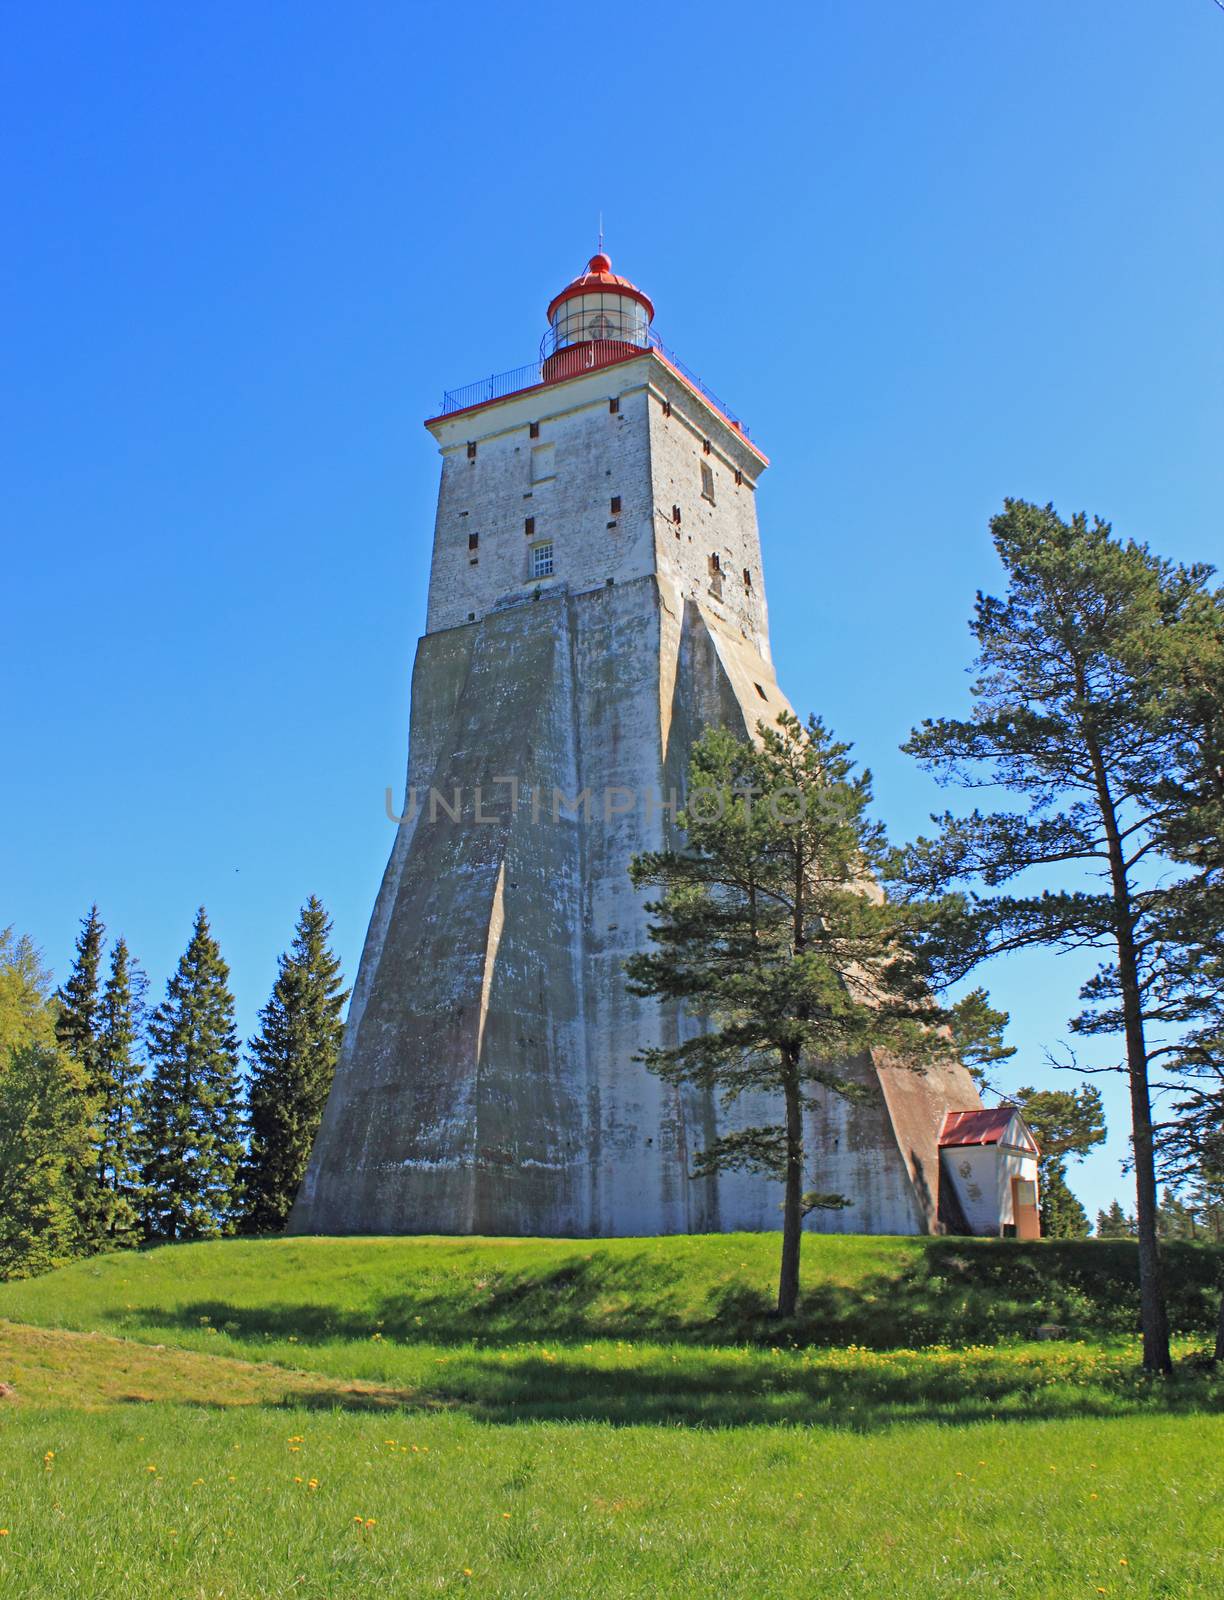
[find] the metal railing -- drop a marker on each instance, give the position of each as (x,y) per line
(586,357)
(495,387)
(702,388)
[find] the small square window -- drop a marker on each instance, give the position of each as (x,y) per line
(614,406)
(471,449)
(541,561)
(529,526)
(616,499)
(471,616)
(707,482)
(473,541)
(533,430)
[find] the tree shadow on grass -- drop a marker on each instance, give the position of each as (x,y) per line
(857,1390)
(726,1393)
(955,1291)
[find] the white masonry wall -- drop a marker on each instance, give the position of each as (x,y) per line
(565,479)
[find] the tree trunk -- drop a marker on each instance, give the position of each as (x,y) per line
(792,1217)
(1152,1314)
(1219,1349)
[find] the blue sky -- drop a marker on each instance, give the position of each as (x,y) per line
(934,254)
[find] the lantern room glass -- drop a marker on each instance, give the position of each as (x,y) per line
(588,317)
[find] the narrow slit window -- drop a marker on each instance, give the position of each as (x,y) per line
(760,691)
(541,561)
(533,430)
(707,482)
(715,563)
(529,526)
(667,408)
(616,499)
(747,579)
(471,449)
(705,445)
(739,477)
(614,405)
(473,541)
(676,515)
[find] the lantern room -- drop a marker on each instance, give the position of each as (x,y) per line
(608,317)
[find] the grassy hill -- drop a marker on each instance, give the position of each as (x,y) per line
(567,1420)
(879,1292)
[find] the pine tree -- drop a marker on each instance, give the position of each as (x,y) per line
(1069,716)
(191,1107)
(293,1061)
(76,1030)
(791,964)
(120,1030)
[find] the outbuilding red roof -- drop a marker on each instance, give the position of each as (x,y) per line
(976,1127)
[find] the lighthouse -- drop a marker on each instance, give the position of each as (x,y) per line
(596,600)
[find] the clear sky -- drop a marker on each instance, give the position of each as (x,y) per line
(935,254)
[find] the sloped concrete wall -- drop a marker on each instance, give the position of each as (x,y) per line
(487,1082)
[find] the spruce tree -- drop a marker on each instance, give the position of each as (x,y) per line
(1062,1216)
(293,1061)
(1066,1125)
(191,1107)
(76,1030)
(1114,1223)
(119,1066)
(76,1025)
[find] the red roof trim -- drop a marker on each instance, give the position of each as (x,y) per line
(533,388)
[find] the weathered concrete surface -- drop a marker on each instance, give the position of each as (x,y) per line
(487,1082)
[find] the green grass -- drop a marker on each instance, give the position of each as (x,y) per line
(564,1419)
(716,1289)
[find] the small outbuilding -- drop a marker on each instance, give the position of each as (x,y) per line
(988,1162)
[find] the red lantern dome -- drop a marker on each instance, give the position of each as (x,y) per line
(599,279)
(596,319)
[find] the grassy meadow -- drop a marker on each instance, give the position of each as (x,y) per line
(561,1418)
